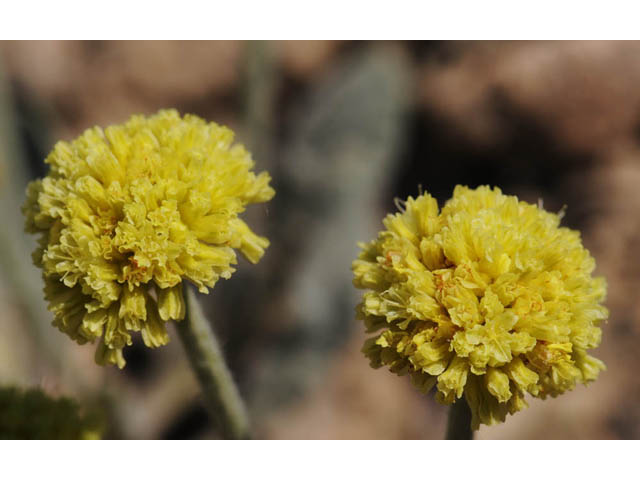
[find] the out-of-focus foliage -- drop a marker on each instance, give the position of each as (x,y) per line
(33,415)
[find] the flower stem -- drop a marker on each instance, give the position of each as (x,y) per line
(459,424)
(220,392)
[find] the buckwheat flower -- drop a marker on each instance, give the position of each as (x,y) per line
(33,415)
(488,298)
(128,213)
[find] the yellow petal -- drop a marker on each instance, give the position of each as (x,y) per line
(171,303)
(498,384)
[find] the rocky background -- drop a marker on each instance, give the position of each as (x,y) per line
(344,128)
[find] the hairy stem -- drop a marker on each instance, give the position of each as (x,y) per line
(219,390)
(459,424)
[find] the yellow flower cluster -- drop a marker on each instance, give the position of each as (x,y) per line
(128,212)
(488,298)
(32,415)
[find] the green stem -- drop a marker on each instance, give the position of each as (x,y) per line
(219,390)
(459,424)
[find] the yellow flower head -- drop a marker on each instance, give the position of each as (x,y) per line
(32,415)
(129,212)
(488,298)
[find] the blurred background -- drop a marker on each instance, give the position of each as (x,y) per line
(343,128)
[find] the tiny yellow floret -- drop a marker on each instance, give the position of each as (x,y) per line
(129,212)
(488,298)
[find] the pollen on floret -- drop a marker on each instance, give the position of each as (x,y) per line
(128,213)
(487,299)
